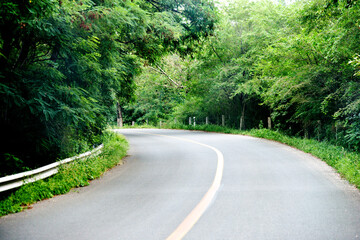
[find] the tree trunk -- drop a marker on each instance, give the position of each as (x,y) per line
(119,115)
(242,118)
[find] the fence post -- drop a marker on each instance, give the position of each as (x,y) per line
(160,123)
(194,122)
(223,120)
(269,123)
(132,123)
(336,132)
(175,120)
(147,121)
(338,128)
(207,120)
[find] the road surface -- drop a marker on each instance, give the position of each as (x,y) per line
(199,185)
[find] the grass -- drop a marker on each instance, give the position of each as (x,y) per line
(72,175)
(345,162)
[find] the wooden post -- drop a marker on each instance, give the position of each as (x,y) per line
(269,122)
(189,120)
(207,120)
(306,130)
(336,132)
(223,120)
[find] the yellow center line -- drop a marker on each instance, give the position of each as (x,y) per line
(191,219)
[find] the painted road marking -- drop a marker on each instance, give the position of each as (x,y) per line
(191,219)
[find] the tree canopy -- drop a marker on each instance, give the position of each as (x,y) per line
(297,63)
(64,65)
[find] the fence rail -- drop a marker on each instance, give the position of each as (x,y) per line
(19,179)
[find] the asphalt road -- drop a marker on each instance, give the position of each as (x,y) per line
(175,180)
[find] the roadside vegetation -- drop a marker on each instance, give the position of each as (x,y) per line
(70,68)
(67,66)
(345,162)
(296,63)
(75,174)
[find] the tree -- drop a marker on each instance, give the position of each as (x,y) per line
(65,64)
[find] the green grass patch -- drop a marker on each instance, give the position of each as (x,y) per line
(75,174)
(346,162)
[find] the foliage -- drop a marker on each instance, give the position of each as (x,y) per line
(76,174)
(64,65)
(296,63)
(159,89)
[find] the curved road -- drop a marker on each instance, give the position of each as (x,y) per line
(177,180)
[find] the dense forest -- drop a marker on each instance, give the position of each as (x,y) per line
(297,64)
(66,63)
(68,67)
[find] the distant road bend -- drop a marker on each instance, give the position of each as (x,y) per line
(195,185)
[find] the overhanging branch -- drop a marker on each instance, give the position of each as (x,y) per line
(161,71)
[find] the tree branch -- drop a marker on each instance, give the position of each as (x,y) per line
(216,52)
(161,71)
